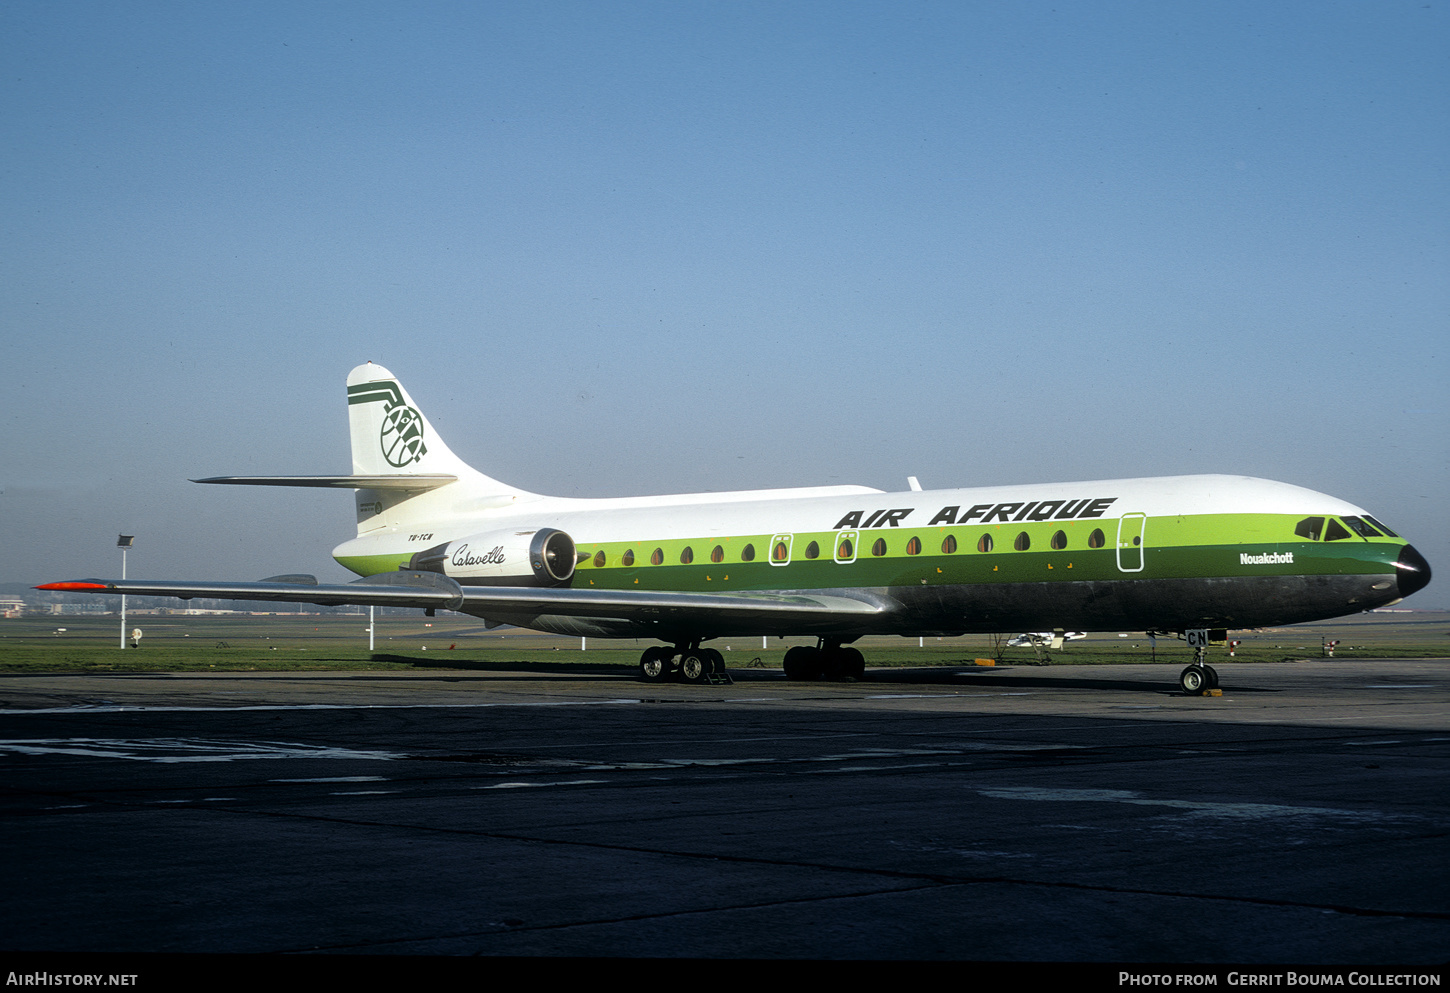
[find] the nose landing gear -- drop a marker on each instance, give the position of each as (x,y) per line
(1199,678)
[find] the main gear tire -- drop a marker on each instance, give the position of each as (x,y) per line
(713,659)
(654,664)
(802,662)
(693,667)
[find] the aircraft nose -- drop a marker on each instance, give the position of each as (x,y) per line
(1413,571)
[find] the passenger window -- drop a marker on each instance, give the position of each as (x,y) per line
(1096,539)
(845,550)
(1310,527)
(913,547)
(1360,528)
(879,548)
(1023,542)
(657,557)
(747,554)
(717,554)
(984,543)
(687,556)
(949,544)
(599,559)
(813,551)
(627,558)
(1059,541)
(1335,531)
(780,552)
(1380,526)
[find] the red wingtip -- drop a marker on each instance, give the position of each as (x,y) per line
(72,586)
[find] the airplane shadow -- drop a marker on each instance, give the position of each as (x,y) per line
(583,670)
(1068,678)
(1075,677)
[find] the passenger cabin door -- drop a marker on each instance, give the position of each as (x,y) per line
(780,549)
(1130,542)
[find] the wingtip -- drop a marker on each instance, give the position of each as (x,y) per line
(72,587)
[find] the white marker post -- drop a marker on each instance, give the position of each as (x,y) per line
(371,625)
(123,542)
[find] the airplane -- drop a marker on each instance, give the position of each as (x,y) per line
(1055,639)
(1196,555)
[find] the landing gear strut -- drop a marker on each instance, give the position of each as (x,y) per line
(828,660)
(690,662)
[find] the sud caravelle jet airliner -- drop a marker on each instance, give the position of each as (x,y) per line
(1196,555)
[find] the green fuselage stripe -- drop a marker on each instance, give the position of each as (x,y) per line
(1179,547)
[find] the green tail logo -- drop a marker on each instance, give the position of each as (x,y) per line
(401,438)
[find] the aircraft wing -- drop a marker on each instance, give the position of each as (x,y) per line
(664,612)
(727,612)
(441,592)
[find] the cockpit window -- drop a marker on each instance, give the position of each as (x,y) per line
(1359,527)
(1336,531)
(1380,526)
(1310,527)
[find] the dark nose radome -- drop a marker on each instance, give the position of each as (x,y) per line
(1413,570)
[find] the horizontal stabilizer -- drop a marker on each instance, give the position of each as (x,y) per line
(390,481)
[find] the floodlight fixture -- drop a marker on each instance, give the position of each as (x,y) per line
(123,542)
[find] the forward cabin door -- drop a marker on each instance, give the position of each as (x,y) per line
(1130,542)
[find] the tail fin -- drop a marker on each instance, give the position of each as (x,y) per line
(390,436)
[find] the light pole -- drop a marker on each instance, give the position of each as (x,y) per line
(123,542)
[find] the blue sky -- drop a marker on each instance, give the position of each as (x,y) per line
(619,248)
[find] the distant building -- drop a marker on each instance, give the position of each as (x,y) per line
(11,606)
(78,608)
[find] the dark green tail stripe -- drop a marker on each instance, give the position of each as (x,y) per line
(372,392)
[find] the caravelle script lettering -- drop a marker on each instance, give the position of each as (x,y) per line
(462,556)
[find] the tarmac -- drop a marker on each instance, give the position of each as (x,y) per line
(1020,814)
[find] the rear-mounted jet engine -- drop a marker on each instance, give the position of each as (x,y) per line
(503,558)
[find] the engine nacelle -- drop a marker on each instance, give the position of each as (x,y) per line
(503,558)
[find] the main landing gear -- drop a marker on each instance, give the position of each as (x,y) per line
(828,660)
(690,663)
